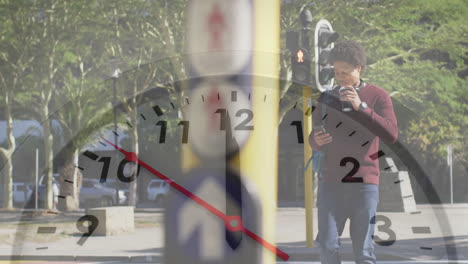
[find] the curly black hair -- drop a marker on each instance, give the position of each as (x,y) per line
(349,51)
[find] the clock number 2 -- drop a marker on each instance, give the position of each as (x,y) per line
(385,228)
(349,177)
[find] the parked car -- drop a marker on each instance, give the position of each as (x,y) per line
(21,193)
(42,191)
(121,187)
(94,193)
(157,190)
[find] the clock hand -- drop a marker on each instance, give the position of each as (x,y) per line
(233,223)
(232,186)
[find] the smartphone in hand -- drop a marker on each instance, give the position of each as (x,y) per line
(321,128)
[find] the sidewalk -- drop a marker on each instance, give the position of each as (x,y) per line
(146,244)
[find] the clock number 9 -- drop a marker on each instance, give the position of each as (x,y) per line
(385,228)
(120,172)
(88,228)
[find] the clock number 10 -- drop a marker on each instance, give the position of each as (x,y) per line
(120,171)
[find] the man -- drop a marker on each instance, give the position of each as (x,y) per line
(348,188)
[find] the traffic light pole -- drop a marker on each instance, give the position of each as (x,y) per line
(306,19)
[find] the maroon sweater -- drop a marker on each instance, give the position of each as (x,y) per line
(356,134)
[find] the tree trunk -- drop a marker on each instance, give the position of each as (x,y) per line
(132,199)
(70,174)
(48,158)
(6,155)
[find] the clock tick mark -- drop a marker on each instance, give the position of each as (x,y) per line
(352,133)
(68,181)
(128,124)
(325,116)
(78,167)
(426,248)
(295,105)
(187,100)
(115,133)
(416,212)
(61,196)
(421,229)
(408,196)
(102,143)
(233,96)
(377,155)
(52,212)
(339,124)
(365,143)
(309,111)
(264,98)
(389,167)
(42,248)
(46,229)
(397,182)
(249,96)
(158,110)
(173,107)
(142,116)
(203,98)
(90,155)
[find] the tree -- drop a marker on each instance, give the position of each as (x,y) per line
(15,60)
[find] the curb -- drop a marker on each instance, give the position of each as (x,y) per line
(126,259)
(300,256)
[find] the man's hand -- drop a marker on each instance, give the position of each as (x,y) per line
(322,138)
(351,95)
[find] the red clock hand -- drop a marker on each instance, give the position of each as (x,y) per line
(233,223)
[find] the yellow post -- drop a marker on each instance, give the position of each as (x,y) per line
(259,158)
(308,173)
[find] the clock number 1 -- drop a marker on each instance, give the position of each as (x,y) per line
(162,134)
(300,134)
(105,168)
(185,130)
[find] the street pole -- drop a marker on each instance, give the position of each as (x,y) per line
(306,19)
(450,164)
(36,180)
(114,87)
(115,76)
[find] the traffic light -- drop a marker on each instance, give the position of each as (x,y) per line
(300,59)
(324,38)
(301,67)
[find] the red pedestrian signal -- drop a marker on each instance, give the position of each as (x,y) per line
(300,56)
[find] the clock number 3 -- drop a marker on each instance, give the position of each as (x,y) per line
(385,228)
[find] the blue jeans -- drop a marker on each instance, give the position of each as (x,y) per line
(336,202)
